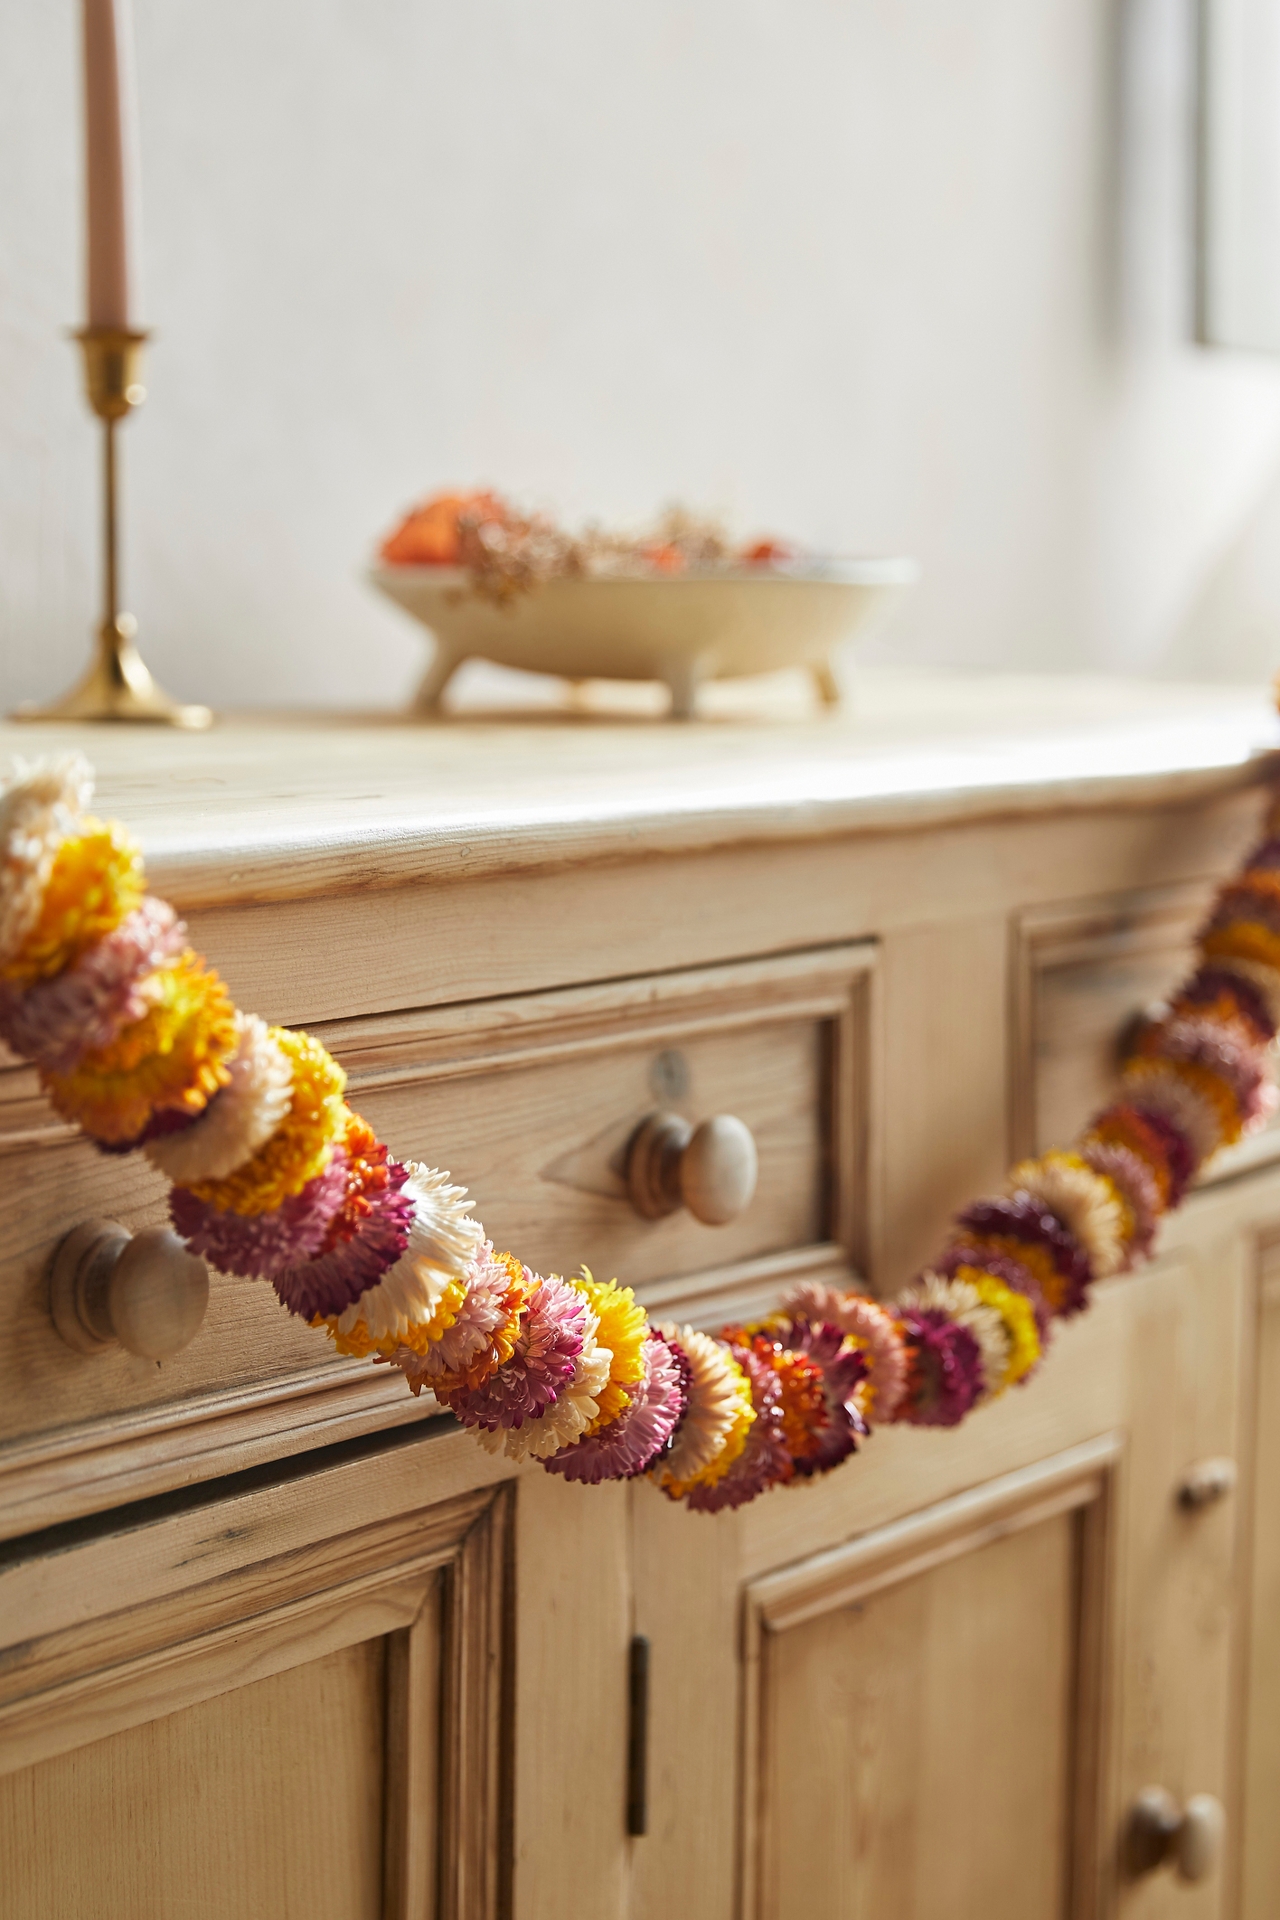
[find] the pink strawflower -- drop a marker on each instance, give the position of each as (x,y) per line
(871,1324)
(1137,1186)
(482,1313)
(1206,1042)
(85,1005)
(630,1444)
(553,1328)
(262,1245)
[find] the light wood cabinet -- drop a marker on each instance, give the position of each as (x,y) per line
(277,1639)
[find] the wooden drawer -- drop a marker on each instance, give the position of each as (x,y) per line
(529,1101)
(1081,971)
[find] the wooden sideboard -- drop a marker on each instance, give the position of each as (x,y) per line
(277,1639)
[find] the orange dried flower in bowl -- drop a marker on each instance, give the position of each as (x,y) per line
(429,535)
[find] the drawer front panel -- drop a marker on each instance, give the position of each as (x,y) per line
(531,1103)
(1081,973)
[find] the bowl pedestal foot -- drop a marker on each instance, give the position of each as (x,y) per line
(826,683)
(684,674)
(444,664)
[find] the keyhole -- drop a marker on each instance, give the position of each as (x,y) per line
(669,1075)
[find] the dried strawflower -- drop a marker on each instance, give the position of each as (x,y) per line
(241,1116)
(946,1378)
(261,1245)
(718,1415)
(39,808)
(550,1336)
(764,1461)
(1084,1200)
(569,1415)
(633,1441)
(839,1370)
(623,1325)
(962,1303)
(481,1331)
(440,1250)
(875,1330)
(175,1055)
(95,880)
(104,989)
(1022,1347)
(299,1147)
(366,1236)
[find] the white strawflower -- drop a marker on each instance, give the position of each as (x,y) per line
(38,809)
(1085,1202)
(241,1117)
(443,1243)
(713,1408)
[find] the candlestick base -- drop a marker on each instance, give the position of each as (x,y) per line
(118,686)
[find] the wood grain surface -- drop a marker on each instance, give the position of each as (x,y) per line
(267,808)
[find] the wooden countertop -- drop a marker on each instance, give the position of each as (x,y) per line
(277,806)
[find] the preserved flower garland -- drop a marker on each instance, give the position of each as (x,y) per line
(274,1178)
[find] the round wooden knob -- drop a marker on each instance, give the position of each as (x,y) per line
(710,1168)
(1201,1836)
(1189,1838)
(144,1291)
(1206,1483)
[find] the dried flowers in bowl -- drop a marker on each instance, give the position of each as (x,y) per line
(677,602)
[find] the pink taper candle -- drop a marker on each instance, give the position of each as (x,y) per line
(112,163)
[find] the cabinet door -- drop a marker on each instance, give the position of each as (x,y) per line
(934,1685)
(283,1699)
(1261,1769)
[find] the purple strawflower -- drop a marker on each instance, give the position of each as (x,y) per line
(1264,857)
(1023,1216)
(86,1005)
(552,1333)
(1179,1154)
(1206,1043)
(1207,985)
(262,1245)
(330,1282)
(1238,901)
(946,1368)
(844,1368)
(764,1462)
(630,1444)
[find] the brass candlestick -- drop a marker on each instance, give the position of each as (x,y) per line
(118,684)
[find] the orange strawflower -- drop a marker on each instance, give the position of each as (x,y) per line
(174,1056)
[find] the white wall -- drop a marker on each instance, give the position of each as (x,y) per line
(888,275)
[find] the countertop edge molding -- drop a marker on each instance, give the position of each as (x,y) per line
(257,868)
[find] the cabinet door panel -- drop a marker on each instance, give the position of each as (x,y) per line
(918,1742)
(292,1698)
(1261,1838)
(267,1799)
(922,1727)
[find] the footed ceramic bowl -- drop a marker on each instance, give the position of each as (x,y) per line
(678,628)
